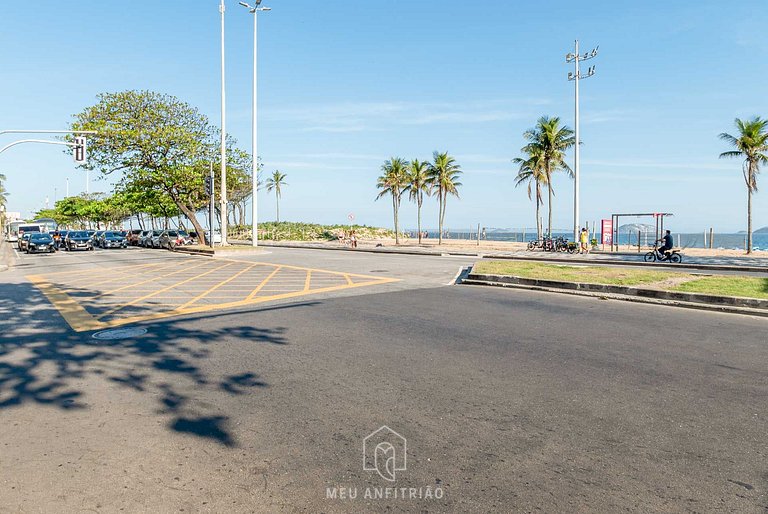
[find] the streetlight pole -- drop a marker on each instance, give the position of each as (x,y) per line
(575,76)
(223,201)
(254,10)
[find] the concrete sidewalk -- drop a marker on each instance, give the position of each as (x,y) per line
(730,264)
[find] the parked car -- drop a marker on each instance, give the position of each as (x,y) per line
(216,237)
(133,237)
(173,238)
(96,237)
(24,240)
(40,242)
(78,240)
(154,239)
(110,239)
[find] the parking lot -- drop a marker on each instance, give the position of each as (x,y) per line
(117,292)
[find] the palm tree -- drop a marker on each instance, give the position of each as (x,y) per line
(417,179)
(276,182)
(393,182)
(443,174)
(531,171)
(552,140)
(751,143)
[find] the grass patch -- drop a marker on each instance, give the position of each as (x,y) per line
(587,274)
(747,287)
(724,285)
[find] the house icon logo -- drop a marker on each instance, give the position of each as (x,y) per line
(384,451)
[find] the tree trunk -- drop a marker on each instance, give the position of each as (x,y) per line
(240,212)
(277,204)
(749,220)
(442,210)
(394,210)
(439,217)
(190,214)
(538,214)
(549,221)
(418,214)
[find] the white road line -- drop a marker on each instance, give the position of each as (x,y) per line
(456,277)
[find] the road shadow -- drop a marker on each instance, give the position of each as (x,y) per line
(43,361)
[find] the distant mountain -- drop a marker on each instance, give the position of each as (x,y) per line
(763,230)
(634,228)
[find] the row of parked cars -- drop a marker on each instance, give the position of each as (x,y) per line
(169,239)
(70,240)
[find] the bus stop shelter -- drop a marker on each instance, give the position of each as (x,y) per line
(658,217)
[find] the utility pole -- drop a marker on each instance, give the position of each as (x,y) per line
(575,76)
(254,10)
(211,207)
(67,188)
(223,203)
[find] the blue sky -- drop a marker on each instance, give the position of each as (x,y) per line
(346,84)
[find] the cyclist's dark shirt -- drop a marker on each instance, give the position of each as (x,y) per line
(668,242)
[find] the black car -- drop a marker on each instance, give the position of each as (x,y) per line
(113,240)
(40,242)
(78,240)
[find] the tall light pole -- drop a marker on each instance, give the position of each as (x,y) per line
(254,10)
(223,200)
(575,76)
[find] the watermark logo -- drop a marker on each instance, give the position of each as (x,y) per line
(384,451)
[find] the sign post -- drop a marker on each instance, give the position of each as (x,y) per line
(607,233)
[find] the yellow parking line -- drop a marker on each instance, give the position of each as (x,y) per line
(153,279)
(308,281)
(145,297)
(263,283)
(116,268)
(349,280)
(217,286)
(72,312)
(239,303)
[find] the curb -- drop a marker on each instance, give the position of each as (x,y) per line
(729,304)
(7,257)
(597,262)
(484,255)
(194,251)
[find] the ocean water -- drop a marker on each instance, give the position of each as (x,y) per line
(727,241)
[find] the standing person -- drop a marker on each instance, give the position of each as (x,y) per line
(584,239)
(353,239)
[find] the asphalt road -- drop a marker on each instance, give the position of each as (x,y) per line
(510,401)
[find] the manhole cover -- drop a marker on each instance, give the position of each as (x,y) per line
(120,333)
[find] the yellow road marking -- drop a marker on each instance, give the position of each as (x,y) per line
(220,284)
(263,283)
(286,286)
(153,279)
(237,304)
(145,297)
(116,268)
(74,314)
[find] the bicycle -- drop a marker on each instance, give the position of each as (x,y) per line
(673,256)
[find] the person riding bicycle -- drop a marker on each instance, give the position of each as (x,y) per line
(667,246)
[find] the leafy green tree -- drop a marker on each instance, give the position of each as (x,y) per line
(3,199)
(552,140)
(275,183)
(418,185)
(393,182)
(531,172)
(751,144)
(154,140)
(443,179)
